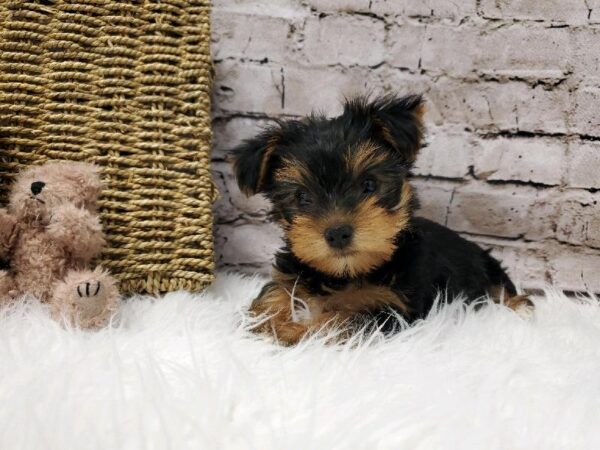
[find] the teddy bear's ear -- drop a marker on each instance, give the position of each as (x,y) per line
(87,176)
(84,171)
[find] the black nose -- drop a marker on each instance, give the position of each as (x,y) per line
(37,186)
(339,237)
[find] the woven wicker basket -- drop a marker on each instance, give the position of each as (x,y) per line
(124,84)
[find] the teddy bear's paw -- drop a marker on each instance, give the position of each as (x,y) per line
(87,299)
(89,289)
(92,299)
(93,302)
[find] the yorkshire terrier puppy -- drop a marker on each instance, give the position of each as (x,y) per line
(355,255)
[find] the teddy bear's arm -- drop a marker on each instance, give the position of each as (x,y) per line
(78,231)
(8,226)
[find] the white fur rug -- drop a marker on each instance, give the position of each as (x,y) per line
(182,373)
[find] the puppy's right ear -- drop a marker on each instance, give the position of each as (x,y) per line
(396,120)
(251,161)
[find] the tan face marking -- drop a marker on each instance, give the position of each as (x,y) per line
(364,157)
(375,230)
(291,171)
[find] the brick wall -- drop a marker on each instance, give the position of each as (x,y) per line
(513,92)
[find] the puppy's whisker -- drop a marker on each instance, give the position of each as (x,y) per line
(297,301)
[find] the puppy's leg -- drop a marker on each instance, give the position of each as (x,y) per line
(85,298)
(275,303)
(519,303)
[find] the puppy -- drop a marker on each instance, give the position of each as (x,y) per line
(355,255)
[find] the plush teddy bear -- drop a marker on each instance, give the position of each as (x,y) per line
(49,235)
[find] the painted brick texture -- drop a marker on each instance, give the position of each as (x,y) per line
(513,94)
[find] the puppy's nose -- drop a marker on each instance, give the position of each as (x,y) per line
(37,186)
(339,237)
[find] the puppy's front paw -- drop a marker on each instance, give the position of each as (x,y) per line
(521,305)
(290,333)
(273,310)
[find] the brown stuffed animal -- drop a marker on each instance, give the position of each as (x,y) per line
(49,234)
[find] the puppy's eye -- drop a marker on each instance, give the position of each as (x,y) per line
(303,198)
(369,186)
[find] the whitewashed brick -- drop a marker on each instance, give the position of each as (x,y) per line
(237,84)
(344,39)
(467,49)
(587,47)
(323,89)
(450,49)
(492,106)
(584,164)
(446,155)
(264,269)
(579,219)
(521,159)
(540,110)
(229,132)
(250,36)
(232,204)
(404,44)
(501,211)
(392,80)
(537,265)
(585,118)
(443,9)
(573,12)
(280,8)
(434,199)
(525,263)
(500,159)
(575,269)
(247,243)
(593,11)
(339,6)
(387,7)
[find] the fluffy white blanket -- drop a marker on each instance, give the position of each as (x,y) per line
(181,372)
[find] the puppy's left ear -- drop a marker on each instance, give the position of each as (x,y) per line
(251,161)
(398,121)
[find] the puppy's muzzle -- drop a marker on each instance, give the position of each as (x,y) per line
(339,237)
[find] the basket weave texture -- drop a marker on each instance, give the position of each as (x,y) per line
(126,85)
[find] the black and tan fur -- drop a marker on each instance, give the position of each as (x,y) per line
(354,250)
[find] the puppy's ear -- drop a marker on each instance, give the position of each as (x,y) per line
(398,121)
(251,161)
